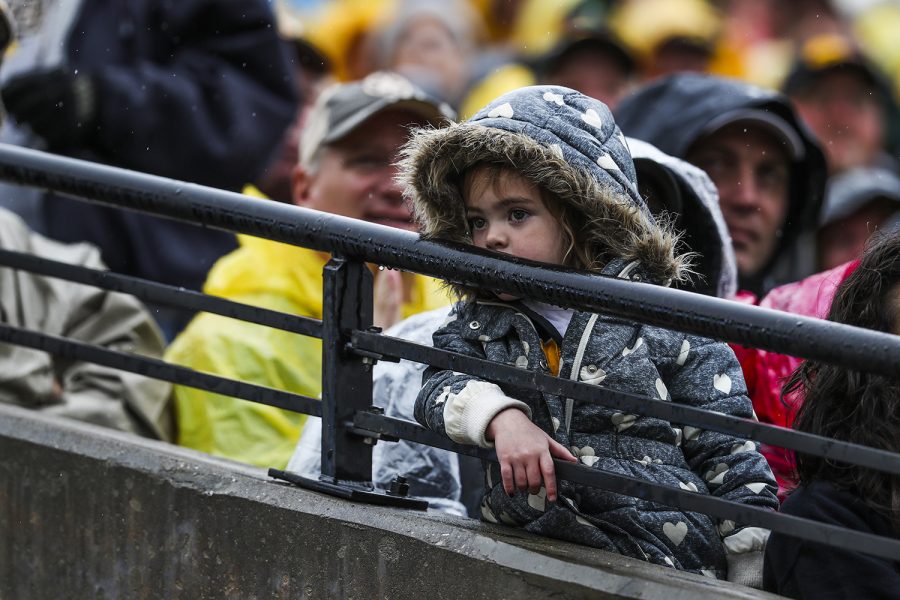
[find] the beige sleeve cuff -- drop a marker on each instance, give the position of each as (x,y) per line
(468,413)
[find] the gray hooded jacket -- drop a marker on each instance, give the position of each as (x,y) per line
(569,144)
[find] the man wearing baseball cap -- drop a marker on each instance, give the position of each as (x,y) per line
(845,100)
(767,167)
(348,147)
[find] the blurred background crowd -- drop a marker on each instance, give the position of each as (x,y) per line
(837,61)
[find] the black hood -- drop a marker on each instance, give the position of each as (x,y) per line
(674,112)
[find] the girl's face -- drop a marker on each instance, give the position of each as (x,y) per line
(507,214)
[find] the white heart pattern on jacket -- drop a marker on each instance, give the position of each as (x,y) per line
(722,383)
(716,476)
(647,461)
(689,486)
(504,110)
(756,488)
(683,353)
(623,421)
(582,521)
(586,454)
(592,374)
(591,117)
(626,351)
(661,389)
(555,98)
(691,433)
(607,162)
(747,446)
(675,531)
(538,501)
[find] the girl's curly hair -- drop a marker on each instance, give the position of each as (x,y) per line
(852,406)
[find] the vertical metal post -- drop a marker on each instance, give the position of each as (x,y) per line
(346,378)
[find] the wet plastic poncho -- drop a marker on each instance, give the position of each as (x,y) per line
(278,277)
(432,473)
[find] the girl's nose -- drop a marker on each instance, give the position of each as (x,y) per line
(496,238)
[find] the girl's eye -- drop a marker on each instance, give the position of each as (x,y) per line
(518,214)
(477,223)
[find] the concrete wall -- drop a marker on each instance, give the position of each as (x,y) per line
(89,513)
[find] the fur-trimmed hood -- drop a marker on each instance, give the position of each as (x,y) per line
(563,141)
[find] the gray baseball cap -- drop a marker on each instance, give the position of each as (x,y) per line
(782,130)
(851,190)
(343,107)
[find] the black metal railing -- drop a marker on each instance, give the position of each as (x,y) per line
(350,346)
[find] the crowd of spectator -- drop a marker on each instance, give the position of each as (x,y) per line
(765,133)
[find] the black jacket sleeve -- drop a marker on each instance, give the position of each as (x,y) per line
(801,569)
(203,90)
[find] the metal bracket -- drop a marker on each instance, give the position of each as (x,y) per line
(355,492)
(368,358)
(370,437)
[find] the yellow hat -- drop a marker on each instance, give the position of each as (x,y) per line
(645,24)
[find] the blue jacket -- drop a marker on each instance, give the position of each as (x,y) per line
(198,90)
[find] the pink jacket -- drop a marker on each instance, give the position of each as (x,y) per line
(766,372)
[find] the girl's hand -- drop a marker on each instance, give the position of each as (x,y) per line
(525,452)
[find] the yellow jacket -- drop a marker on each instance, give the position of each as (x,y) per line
(279,277)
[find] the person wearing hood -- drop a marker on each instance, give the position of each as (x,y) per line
(451,482)
(769,171)
(543,173)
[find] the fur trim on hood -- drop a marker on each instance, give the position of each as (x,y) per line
(568,145)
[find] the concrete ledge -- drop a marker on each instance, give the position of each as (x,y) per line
(90,513)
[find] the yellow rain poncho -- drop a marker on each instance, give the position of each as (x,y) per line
(279,277)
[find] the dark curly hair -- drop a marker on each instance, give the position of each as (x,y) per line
(852,406)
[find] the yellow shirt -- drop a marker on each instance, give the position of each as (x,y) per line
(279,277)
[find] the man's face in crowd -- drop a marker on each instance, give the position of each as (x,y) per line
(751,171)
(846,115)
(845,239)
(354,176)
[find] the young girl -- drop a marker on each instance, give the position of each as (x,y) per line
(855,407)
(543,173)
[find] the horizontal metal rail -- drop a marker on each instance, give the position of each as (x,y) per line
(158,369)
(160,293)
(674,412)
(814,339)
(742,514)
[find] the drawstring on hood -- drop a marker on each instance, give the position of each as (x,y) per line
(564,142)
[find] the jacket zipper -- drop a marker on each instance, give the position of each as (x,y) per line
(576,367)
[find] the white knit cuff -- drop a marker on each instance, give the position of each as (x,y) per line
(746,568)
(468,413)
(748,539)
